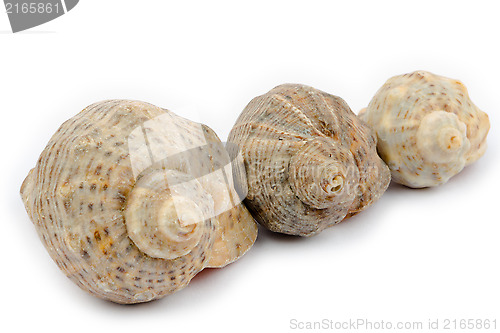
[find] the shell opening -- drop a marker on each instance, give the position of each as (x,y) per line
(334,185)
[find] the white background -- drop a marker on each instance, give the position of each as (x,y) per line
(414,255)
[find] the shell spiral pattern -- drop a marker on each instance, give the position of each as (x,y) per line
(310,162)
(132,201)
(428,128)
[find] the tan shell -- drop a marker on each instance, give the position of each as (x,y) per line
(428,128)
(310,162)
(131,201)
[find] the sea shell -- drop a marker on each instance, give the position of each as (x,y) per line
(132,201)
(428,129)
(310,162)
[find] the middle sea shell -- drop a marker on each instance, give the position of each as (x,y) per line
(310,162)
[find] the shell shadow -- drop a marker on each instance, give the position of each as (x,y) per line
(205,275)
(466,177)
(266,235)
(398,188)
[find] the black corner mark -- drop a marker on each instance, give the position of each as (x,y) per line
(70,4)
(26,14)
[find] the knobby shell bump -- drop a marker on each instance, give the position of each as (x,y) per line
(132,201)
(309,161)
(428,128)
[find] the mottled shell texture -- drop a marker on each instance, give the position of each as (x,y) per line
(310,162)
(132,201)
(428,128)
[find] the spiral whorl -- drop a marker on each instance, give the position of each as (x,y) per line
(164,213)
(442,138)
(318,174)
(428,129)
(310,162)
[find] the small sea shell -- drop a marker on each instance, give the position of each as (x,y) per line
(132,201)
(428,129)
(310,162)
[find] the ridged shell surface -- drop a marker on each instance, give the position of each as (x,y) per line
(132,201)
(428,128)
(310,162)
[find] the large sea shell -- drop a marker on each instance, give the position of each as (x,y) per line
(310,162)
(132,201)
